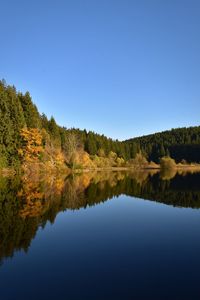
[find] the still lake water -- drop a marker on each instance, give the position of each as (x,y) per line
(100,236)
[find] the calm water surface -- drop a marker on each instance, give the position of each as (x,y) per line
(100,236)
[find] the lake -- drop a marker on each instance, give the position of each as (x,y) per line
(103,235)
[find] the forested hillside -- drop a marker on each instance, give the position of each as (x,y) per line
(28,136)
(25,133)
(180,144)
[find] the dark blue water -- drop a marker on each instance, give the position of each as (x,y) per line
(123,248)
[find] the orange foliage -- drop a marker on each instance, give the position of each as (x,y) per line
(31,144)
(60,158)
(37,194)
(32,197)
(83,158)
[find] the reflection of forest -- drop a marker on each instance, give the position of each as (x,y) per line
(25,205)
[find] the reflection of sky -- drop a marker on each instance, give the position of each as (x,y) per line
(125,246)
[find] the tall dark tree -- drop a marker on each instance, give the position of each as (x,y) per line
(31,114)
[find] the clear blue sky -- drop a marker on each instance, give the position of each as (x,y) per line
(119,67)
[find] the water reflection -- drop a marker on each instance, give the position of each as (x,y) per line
(26,204)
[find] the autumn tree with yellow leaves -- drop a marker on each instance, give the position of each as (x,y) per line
(31,144)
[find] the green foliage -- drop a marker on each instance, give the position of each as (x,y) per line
(101,152)
(31,114)
(11,122)
(180,143)
(54,131)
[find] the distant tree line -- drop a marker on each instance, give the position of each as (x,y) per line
(180,144)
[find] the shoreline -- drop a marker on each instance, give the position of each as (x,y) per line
(6,172)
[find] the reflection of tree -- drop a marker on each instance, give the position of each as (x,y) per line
(15,234)
(33,200)
(33,195)
(167,174)
(27,204)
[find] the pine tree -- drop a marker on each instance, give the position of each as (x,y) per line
(31,114)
